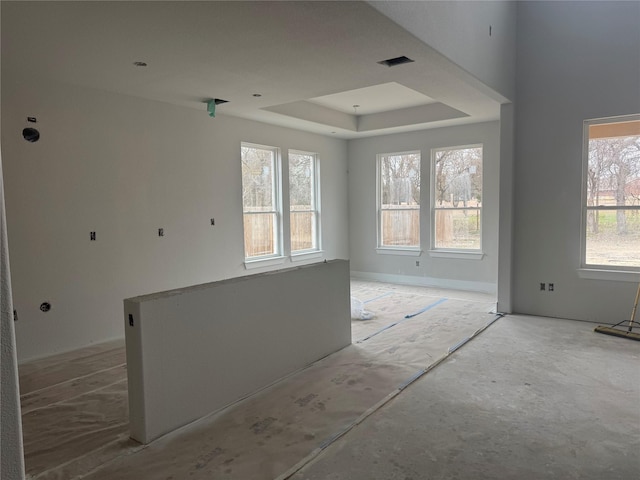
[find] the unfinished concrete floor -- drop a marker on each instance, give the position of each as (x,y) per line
(527,398)
(531,398)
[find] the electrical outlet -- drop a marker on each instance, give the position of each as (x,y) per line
(551,287)
(543,287)
(161,232)
(417,263)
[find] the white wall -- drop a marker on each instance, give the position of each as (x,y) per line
(234,334)
(460,31)
(124,167)
(455,273)
(505,223)
(11,448)
(575,61)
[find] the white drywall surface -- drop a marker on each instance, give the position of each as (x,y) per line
(196,350)
(125,167)
(11,447)
(480,275)
(460,31)
(505,224)
(11,451)
(576,61)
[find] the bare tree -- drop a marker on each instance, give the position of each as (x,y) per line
(613,164)
(300,180)
(458,176)
(257,178)
(401,179)
(599,162)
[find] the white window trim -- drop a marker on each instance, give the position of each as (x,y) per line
(316,207)
(261,262)
(389,249)
(412,252)
(303,255)
(277,257)
(470,253)
(605,274)
(459,254)
(588,270)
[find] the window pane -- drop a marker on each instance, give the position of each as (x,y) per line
(259,234)
(302,199)
(400,175)
(613,175)
(400,227)
(260,200)
(613,180)
(258,180)
(301,181)
(303,231)
(613,237)
(459,228)
(400,200)
(458,177)
(457,197)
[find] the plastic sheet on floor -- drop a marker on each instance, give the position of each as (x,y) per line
(266,434)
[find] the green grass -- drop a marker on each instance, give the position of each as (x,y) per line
(470,225)
(608,222)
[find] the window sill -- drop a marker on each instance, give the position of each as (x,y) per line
(263,262)
(299,257)
(456,254)
(603,274)
(412,252)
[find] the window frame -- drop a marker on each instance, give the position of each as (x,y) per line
(412,250)
(315,207)
(276,257)
(461,253)
(593,270)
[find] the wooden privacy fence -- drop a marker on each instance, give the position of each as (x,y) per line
(259,236)
(401,227)
(453,228)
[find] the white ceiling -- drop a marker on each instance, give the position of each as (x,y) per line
(374,99)
(309,61)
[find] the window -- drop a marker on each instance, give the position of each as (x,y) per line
(261,201)
(399,200)
(611,198)
(303,201)
(456,198)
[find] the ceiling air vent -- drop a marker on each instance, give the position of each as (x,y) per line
(392,62)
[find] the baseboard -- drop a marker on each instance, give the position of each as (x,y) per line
(64,351)
(470,286)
